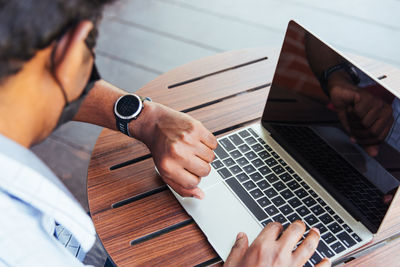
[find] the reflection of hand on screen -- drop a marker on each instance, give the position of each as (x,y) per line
(366,117)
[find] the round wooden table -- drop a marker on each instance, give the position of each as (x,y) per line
(136,217)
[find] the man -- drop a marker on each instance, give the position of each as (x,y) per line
(47,77)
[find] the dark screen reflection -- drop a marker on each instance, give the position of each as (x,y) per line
(335,120)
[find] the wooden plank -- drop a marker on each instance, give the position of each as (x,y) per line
(186,246)
(145,48)
(155,16)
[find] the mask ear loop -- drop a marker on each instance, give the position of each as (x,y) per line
(52,70)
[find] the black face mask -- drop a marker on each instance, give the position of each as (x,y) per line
(71,108)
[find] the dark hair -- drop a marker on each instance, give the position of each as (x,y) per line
(27,26)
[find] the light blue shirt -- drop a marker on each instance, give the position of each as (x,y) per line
(32,198)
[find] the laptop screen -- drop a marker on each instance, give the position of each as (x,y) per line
(338,123)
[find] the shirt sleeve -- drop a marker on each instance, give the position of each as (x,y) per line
(24,239)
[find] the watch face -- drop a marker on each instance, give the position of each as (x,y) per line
(128,106)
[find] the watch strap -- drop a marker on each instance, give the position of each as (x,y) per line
(341,66)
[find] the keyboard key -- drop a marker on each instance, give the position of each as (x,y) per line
(304,185)
(227,144)
(235,154)
(294,202)
(224,173)
(271,210)
(272,178)
(303,211)
(242,161)
(261,141)
(249,185)
(293,185)
(286,177)
(311,219)
(289,170)
(338,247)
(256,176)
(309,201)
(250,155)
(346,239)
(335,227)
(258,163)
(244,134)
(279,186)
(242,177)
(257,147)
(324,250)
(256,193)
(246,199)
(266,222)
(270,192)
(279,218)
(267,147)
(275,155)
(286,194)
(217,164)
(221,153)
(315,258)
(326,219)
(278,169)
(356,237)
(330,211)
(286,209)
(236,139)
(312,193)
(263,202)
(263,184)
(271,162)
(278,201)
(253,132)
(338,219)
(329,237)
(228,162)
(264,154)
(320,201)
(235,169)
(297,177)
(293,217)
(264,170)
(249,169)
(307,264)
(244,148)
(300,193)
(282,162)
(347,228)
(317,210)
(250,140)
(322,228)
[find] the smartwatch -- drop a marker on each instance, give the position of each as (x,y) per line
(347,67)
(128,108)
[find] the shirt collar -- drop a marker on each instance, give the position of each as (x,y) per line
(25,176)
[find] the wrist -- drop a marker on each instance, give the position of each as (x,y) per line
(143,126)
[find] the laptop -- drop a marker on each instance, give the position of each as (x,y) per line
(299,161)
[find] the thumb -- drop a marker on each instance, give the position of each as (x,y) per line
(238,250)
(326,262)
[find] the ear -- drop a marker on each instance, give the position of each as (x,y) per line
(71,64)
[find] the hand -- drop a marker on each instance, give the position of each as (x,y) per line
(367,118)
(268,250)
(182,148)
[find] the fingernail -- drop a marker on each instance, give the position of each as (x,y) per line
(239,236)
(315,230)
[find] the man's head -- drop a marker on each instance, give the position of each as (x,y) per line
(45,48)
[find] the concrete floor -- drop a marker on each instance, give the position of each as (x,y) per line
(140,39)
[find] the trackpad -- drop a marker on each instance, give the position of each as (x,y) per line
(210,180)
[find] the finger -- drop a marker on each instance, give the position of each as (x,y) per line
(326,262)
(197,166)
(346,97)
(269,233)
(292,235)
(180,176)
(372,116)
(207,138)
(238,250)
(307,247)
(194,192)
(204,152)
(365,104)
(372,151)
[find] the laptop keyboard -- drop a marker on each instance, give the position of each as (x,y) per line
(273,191)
